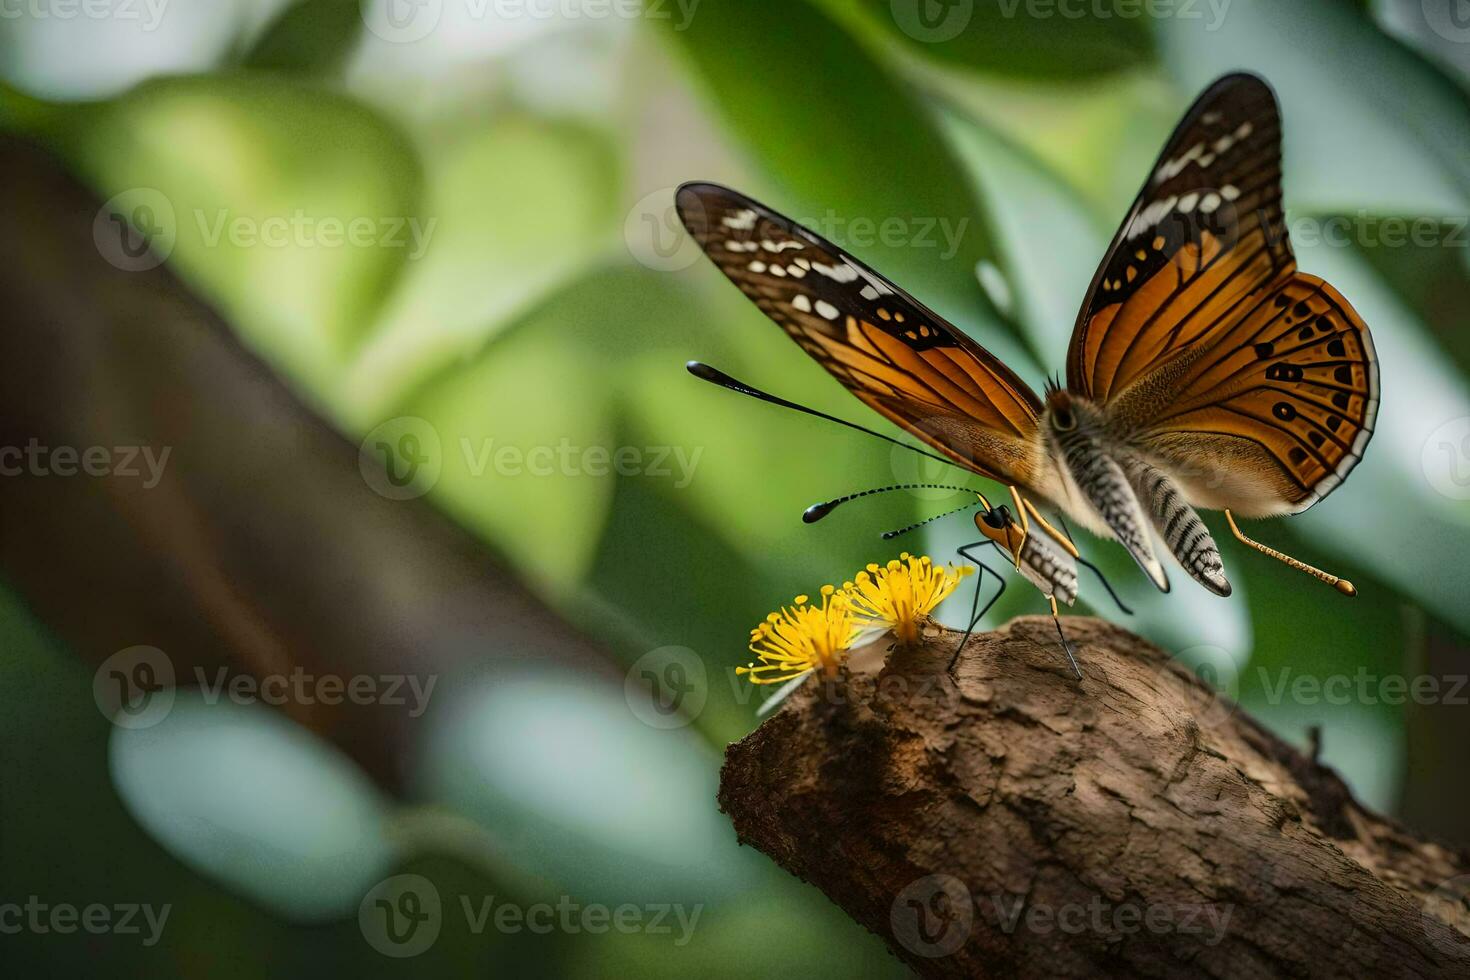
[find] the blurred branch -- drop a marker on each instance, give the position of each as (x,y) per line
(1018,823)
(260,547)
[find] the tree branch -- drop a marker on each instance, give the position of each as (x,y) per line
(1014,822)
(260,548)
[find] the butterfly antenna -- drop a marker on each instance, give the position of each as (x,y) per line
(890,535)
(704,372)
(816,512)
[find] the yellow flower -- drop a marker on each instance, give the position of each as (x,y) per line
(801,637)
(901,595)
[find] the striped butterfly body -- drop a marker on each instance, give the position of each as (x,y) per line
(1205,370)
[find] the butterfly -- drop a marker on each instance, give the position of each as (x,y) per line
(1205,369)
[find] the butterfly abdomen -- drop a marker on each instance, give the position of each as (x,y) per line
(1103,484)
(1049,568)
(1178,524)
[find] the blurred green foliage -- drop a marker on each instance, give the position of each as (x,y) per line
(544,300)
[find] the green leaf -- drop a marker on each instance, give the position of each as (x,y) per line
(525,442)
(1021,38)
(520,208)
(247,797)
(290,208)
(848,150)
(563,773)
(308,36)
(1395,140)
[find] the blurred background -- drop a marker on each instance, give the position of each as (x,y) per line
(357,411)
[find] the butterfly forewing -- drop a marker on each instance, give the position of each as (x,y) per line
(1203,342)
(1204,235)
(887,348)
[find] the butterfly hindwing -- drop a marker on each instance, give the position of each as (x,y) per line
(1276,412)
(895,354)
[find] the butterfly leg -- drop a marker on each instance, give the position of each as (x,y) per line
(1340,584)
(1066,646)
(1025,523)
(976,616)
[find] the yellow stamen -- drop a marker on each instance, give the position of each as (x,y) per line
(901,595)
(802,637)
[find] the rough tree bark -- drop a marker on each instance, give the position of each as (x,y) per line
(1012,821)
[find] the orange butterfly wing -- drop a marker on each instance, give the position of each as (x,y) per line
(889,350)
(1256,383)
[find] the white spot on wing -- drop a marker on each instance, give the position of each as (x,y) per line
(742,220)
(826,310)
(801,303)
